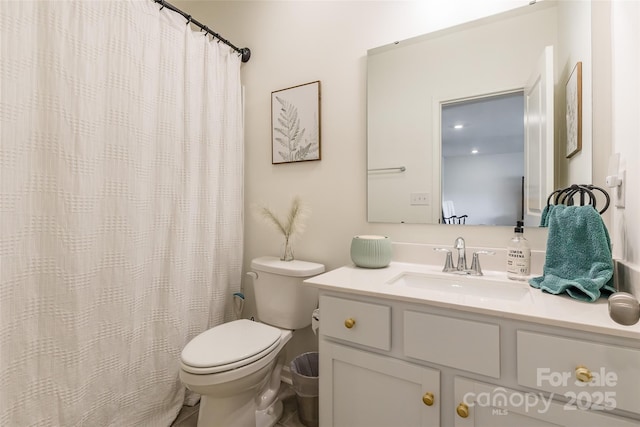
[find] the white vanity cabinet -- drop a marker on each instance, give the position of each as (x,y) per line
(367,389)
(387,362)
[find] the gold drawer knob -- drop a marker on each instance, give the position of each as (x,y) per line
(428,398)
(583,374)
(350,323)
(462,410)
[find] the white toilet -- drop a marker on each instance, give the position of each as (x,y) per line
(236,366)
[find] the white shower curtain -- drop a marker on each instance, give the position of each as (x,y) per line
(121,194)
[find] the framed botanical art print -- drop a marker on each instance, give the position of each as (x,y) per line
(295,123)
(574,111)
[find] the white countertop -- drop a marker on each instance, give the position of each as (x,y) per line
(530,304)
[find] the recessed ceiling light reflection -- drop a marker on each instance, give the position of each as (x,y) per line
(474,151)
(458,126)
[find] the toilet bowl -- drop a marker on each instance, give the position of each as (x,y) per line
(230,367)
(236,366)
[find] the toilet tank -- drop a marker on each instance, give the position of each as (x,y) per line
(281,298)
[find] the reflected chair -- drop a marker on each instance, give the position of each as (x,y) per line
(449,214)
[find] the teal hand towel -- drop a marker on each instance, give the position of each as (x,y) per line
(544,217)
(578,259)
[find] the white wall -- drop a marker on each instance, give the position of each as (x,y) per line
(574,45)
(299,42)
(625,24)
(488,188)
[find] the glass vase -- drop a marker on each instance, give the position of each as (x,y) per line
(287,251)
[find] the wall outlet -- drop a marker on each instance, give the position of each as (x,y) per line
(422,199)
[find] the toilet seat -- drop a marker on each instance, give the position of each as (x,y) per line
(229,346)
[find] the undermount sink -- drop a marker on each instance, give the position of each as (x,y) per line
(480,287)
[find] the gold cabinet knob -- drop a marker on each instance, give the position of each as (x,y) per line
(462,410)
(583,374)
(350,323)
(428,398)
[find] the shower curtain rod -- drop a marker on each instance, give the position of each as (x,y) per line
(244,52)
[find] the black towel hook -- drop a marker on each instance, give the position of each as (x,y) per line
(578,190)
(606,195)
(565,196)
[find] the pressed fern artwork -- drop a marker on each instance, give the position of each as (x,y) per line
(295,116)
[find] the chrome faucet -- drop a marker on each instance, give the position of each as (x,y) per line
(461,266)
(462,256)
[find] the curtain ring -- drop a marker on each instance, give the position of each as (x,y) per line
(162,3)
(188,19)
(206,30)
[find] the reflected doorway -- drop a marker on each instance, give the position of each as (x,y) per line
(483,164)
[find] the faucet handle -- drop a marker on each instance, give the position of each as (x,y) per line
(448,263)
(475,269)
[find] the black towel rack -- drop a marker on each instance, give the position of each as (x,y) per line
(585,194)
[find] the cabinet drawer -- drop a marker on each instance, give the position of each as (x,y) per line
(462,344)
(357,322)
(563,366)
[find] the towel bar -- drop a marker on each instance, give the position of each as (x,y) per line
(397,168)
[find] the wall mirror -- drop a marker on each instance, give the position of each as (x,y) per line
(467,122)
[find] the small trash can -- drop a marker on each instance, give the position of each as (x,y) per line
(304,375)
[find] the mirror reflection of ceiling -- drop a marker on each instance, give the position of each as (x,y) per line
(491,125)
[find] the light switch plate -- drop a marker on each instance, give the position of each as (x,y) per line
(620,190)
(423,199)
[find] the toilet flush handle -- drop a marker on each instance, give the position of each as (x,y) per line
(252,274)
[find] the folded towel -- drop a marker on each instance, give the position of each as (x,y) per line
(578,259)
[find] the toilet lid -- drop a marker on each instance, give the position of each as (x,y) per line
(230,343)
(295,268)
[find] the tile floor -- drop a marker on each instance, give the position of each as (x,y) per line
(188,416)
